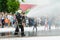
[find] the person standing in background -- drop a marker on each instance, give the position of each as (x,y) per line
(35,24)
(11,19)
(6,21)
(8,16)
(2,19)
(50,23)
(46,24)
(14,20)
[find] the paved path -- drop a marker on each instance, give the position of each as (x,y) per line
(40,32)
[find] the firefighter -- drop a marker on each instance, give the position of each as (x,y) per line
(20,18)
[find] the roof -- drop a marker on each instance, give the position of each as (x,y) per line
(24,7)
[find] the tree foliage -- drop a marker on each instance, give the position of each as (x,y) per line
(22,0)
(3,5)
(12,5)
(9,5)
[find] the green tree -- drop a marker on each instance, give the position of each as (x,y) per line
(9,5)
(22,0)
(12,5)
(3,5)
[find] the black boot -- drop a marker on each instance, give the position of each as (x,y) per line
(16,31)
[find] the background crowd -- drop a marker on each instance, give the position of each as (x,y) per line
(9,20)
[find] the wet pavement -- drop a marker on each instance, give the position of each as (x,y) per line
(55,32)
(40,32)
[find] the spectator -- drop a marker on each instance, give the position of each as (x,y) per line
(2,20)
(49,22)
(14,20)
(11,19)
(6,21)
(35,24)
(46,23)
(8,16)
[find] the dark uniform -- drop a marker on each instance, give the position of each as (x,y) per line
(19,19)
